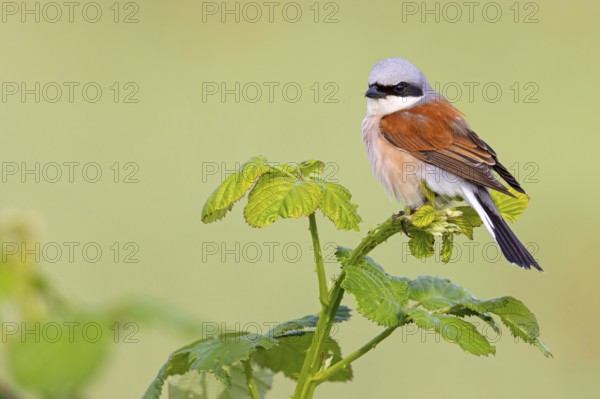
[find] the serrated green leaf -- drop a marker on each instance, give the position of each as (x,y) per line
(521,322)
(447,246)
(306,322)
(379,296)
(275,197)
(435,292)
(336,205)
(423,216)
(311,168)
(470,215)
(202,385)
(429,194)
(176,364)
(462,311)
(514,314)
(233,189)
(288,356)
(239,388)
(466,221)
(510,208)
(465,227)
(452,329)
(421,244)
(542,347)
(212,355)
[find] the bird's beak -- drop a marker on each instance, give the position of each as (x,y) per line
(374,93)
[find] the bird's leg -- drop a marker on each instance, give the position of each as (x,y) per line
(404,229)
(408,210)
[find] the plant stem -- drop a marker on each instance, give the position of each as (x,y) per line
(323,295)
(306,385)
(250,381)
(325,374)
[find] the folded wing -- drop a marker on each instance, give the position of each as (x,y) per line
(436,133)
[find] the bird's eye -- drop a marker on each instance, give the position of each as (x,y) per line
(400,87)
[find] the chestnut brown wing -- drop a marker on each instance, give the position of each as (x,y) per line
(436,133)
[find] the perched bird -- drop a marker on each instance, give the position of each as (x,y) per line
(413,135)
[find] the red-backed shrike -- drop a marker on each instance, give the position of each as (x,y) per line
(414,134)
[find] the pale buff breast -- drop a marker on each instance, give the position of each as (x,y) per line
(398,172)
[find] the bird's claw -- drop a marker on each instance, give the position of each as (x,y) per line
(403,221)
(404,229)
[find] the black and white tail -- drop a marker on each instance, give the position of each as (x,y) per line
(481,200)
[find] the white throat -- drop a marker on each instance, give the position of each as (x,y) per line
(389,104)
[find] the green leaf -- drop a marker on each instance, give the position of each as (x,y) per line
(468,220)
(176,364)
(510,208)
(421,244)
(452,329)
(202,385)
(288,356)
(447,246)
(233,189)
(239,387)
(435,292)
(212,355)
(424,216)
(470,215)
(379,296)
(429,194)
(307,322)
(336,205)
(465,227)
(273,197)
(514,314)
(311,168)
(462,311)
(542,347)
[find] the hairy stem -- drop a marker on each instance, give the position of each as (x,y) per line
(250,381)
(345,362)
(312,363)
(323,295)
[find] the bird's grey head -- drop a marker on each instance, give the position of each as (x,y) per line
(395,84)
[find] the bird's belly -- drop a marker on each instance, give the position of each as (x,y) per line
(397,171)
(401,174)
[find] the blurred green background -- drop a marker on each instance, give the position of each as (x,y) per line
(544,56)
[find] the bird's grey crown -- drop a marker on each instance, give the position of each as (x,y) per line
(391,71)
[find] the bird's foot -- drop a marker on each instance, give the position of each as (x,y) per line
(397,215)
(404,228)
(409,210)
